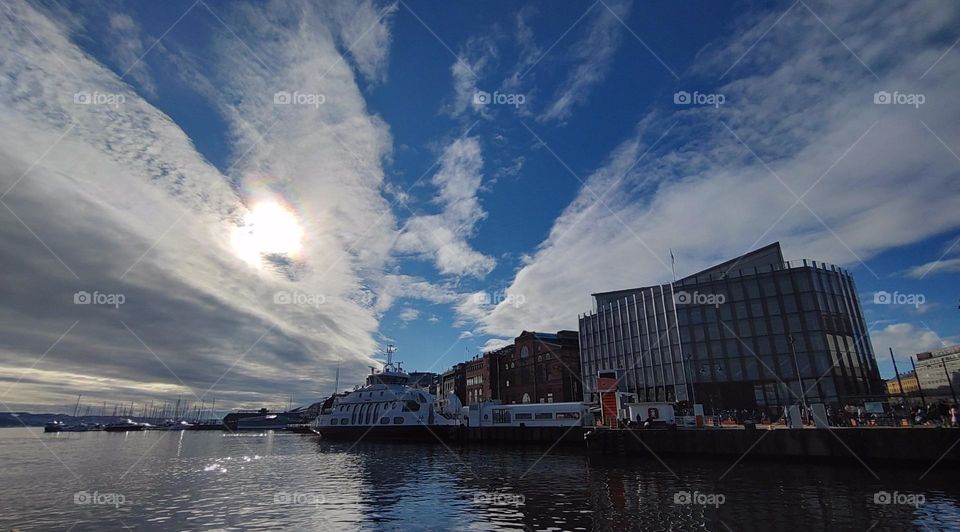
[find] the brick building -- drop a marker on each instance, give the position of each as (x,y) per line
(482,376)
(541,368)
(454,380)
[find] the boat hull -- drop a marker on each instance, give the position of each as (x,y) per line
(123,429)
(389,433)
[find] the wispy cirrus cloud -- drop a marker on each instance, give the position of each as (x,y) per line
(798,153)
(591,58)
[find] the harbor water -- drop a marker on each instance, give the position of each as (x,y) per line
(271,481)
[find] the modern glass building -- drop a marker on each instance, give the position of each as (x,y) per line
(753,332)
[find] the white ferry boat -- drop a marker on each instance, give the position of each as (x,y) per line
(386,407)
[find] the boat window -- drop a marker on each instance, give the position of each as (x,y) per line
(568,415)
(544,415)
(411,406)
(384,420)
(333,421)
(353,414)
(398,420)
(381,394)
(421,398)
(523,415)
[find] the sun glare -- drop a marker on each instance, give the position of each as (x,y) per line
(269,228)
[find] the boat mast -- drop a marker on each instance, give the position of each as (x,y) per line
(336,380)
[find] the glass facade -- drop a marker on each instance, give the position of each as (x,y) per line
(752,338)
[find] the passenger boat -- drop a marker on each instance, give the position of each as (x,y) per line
(53,426)
(387,407)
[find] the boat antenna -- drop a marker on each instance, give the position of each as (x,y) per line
(391,349)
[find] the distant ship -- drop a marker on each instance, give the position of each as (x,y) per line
(386,407)
(126,425)
(264,419)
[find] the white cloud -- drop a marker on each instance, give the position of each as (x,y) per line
(935,267)
(807,110)
(126,47)
(474,59)
(495,343)
(443,237)
(906,339)
(363,32)
(409,314)
(592,57)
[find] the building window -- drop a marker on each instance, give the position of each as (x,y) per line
(526,398)
(524,352)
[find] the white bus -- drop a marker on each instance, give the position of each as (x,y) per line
(493,414)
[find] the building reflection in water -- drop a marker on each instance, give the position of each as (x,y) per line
(415,486)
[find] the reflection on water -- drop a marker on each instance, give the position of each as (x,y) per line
(180,480)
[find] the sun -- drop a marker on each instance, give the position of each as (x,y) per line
(268,229)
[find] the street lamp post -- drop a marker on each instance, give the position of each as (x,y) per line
(803,393)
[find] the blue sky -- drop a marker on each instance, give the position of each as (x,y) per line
(388,203)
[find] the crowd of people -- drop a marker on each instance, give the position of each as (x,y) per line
(939,414)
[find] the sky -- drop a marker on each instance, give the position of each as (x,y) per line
(232,201)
